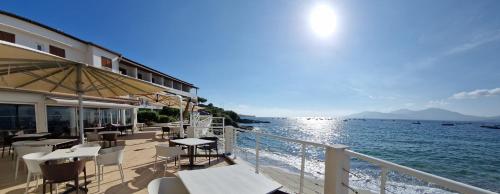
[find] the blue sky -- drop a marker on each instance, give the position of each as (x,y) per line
(261,57)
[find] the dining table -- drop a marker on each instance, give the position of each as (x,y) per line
(30,136)
(55,143)
(236,178)
(191,143)
(73,154)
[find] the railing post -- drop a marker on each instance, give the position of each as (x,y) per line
(257,153)
(336,165)
(383,180)
(228,139)
(302,168)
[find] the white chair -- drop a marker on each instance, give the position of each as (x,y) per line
(89,144)
(109,157)
(167,185)
(164,152)
(20,151)
(33,165)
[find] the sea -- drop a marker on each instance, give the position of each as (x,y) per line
(461,151)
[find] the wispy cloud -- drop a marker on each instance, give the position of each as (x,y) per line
(477,41)
(476,94)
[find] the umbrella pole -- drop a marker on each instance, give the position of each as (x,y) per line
(80,100)
(181,122)
(80,115)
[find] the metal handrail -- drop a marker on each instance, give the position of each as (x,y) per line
(383,164)
(441,181)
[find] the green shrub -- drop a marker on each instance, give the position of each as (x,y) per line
(166,119)
(171,112)
(147,117)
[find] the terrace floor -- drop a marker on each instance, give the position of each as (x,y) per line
(137,166)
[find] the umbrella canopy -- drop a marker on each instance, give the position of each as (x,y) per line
(25,68)
(28,69)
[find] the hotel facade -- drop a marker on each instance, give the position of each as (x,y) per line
(42,112)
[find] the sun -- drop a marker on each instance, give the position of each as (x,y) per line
(322,20)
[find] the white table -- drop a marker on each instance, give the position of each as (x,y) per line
(191,143)
(108,132)
(82,152)
(45,142)
(228,179)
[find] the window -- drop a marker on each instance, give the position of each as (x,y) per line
(186,88)
(177,85)
(39,46)
(106,62)
(57,51)
(62,121)
(139,75)
(168,83)
(153,80)
(9,37)
(14,117)
(123,71)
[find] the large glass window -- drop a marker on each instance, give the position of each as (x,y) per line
(62,121)
(128,116)
(90,117)
(15,117)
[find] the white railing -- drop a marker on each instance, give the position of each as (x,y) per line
(337,167)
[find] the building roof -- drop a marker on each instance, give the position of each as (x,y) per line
(91,43)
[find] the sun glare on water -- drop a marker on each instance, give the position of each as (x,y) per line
(322,20)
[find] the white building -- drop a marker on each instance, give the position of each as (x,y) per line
(20,110)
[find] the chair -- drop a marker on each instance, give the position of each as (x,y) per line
(91,136)
(33,165)
(210,146)
(20,151)
(89,144)
(167,185)
(110,137)
(165,130)
(165,152)
(109,157)
(7,142)
(63,172)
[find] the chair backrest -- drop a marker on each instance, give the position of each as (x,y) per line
(91,136)
(109,136)
(166,185)
(164,150)
(58,173)
(111,156)
(23,150)
(212,145)
(32,161)
(86,145)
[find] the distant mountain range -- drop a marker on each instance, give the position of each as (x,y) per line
(426,114)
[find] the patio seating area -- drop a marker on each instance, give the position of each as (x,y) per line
(130,174)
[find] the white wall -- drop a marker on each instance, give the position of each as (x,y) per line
(29,35)
(96,54)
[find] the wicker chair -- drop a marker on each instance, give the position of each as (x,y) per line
(60,173)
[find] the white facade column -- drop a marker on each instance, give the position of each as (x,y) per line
(134,118)
(123,116)
(229,140)
(134,72)
(41,116)
(336,164)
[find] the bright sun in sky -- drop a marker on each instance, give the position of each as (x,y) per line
(322,20)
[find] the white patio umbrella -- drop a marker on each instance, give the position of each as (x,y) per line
(170,100)
(23,68)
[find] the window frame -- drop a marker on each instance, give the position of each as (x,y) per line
(106,61)
(7,35)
